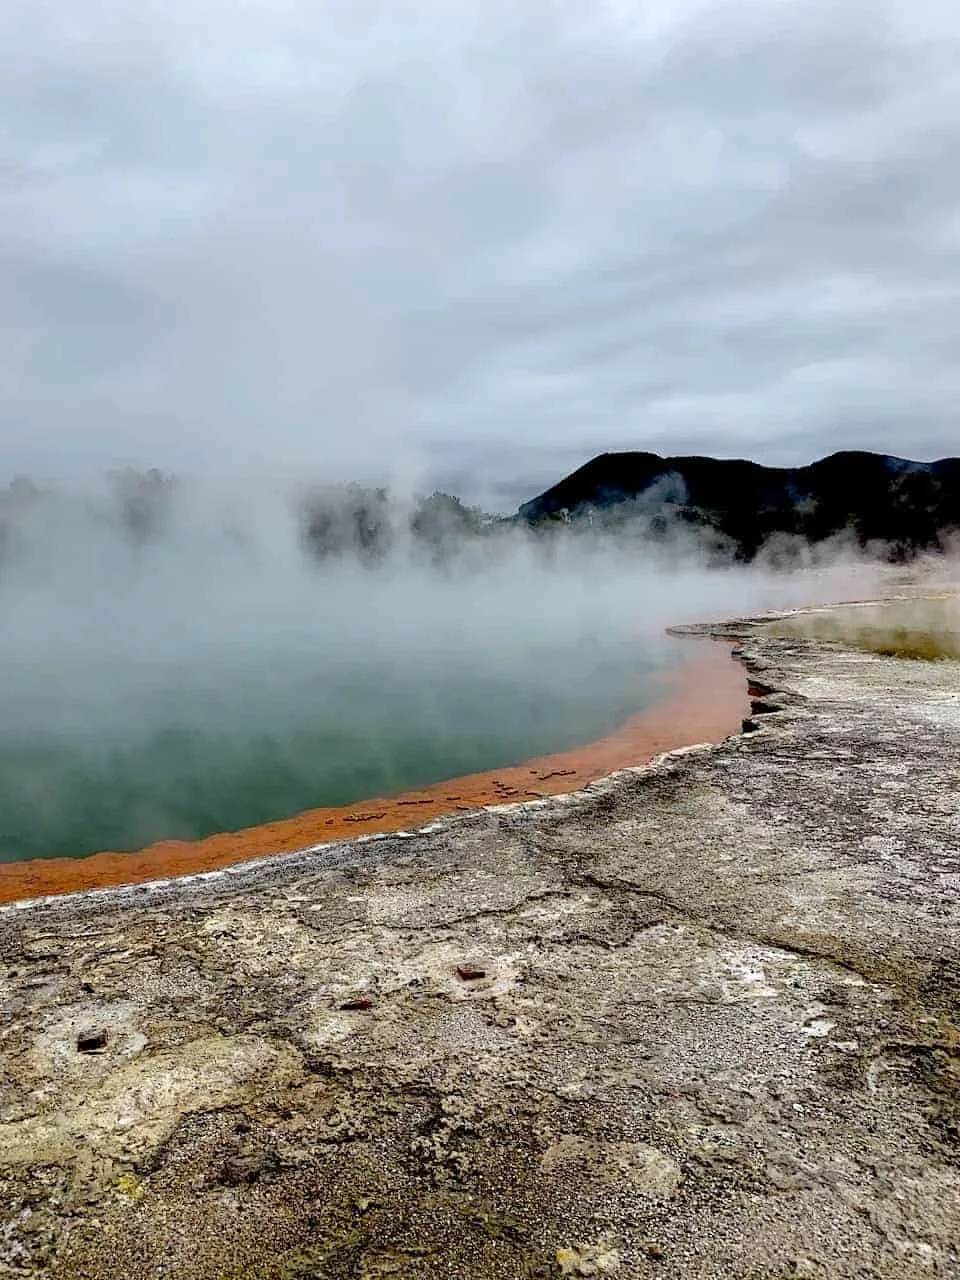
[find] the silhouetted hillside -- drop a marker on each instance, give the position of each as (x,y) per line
(911,506)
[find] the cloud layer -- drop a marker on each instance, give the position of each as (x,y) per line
(475,240)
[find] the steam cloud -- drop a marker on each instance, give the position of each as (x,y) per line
(182,659)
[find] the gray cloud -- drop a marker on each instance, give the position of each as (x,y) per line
(458,239)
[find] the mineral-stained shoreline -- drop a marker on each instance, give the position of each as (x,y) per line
(698,1020)
(705,699)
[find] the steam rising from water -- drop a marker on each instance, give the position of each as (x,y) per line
(214,674)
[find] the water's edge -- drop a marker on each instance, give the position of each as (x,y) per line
(707,702)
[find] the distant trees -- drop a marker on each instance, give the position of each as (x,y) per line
(15,501)
(364,524)
(367,524)
(142,500)
(350,519)
(441,523)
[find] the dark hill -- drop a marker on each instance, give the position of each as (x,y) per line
(910,506)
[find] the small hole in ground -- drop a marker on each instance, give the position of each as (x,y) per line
(91,1041)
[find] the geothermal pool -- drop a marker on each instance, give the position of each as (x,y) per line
(102,751)
(186,756)
(216,678)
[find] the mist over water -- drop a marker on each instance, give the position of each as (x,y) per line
(474,244)
(215,674)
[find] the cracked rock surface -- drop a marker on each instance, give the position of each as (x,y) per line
(699,1020)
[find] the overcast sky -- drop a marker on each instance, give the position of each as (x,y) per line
(475,241)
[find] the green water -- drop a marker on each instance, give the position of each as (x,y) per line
(103,757)
(205,681)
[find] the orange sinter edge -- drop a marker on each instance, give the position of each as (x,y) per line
(706,700)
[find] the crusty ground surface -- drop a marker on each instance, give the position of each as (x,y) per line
(698,1020)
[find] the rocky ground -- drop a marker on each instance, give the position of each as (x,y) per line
(699,1020)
